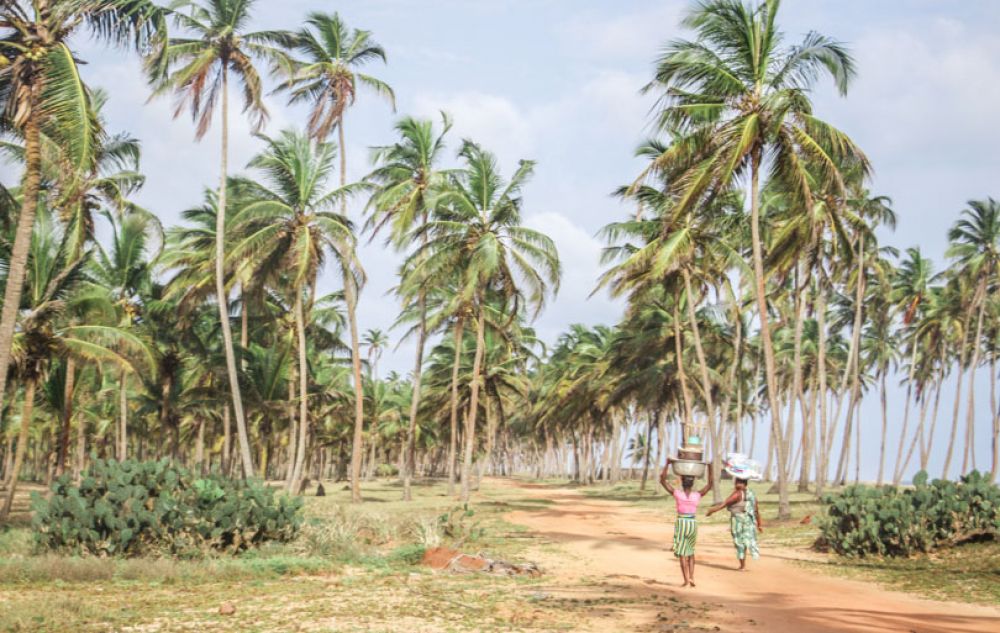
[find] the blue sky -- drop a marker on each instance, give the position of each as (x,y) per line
(557,81)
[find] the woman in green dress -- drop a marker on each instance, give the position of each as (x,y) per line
(744,521)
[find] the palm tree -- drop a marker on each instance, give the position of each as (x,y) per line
(125,271)
(54,286)
(327,77)
(375,340)
(42,94)
(408,180)
(975,247)
(286,229)
(197,70)
(477,237)
(738,104)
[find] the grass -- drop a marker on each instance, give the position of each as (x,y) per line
(351,569)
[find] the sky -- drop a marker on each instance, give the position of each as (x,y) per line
(558,81)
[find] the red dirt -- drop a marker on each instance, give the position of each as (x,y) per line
(607,548)
(438,557)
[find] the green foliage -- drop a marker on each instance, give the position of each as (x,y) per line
(889,521)
(460,524)
(133,508)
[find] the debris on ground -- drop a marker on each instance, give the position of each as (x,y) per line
(227,608)
(443,558)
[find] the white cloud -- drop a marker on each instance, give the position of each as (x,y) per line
(636,34)
(492,120)
(579,254)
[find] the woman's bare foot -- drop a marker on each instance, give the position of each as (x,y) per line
(692,583)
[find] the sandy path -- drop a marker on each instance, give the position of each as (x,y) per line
(616,551)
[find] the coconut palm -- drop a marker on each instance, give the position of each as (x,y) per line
(975,247)
(738,105)
(478,239)
(43,94)
(197,68)
(286,230)
(55,286)
(327,78)
(407,180)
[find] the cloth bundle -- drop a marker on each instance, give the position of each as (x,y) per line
(742,467)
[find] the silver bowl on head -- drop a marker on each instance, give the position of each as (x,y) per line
(688,468)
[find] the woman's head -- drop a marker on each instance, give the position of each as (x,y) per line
(687,481)
(741,484)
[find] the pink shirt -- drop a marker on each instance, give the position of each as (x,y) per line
(686,504)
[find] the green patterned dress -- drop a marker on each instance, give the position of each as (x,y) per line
(743,527)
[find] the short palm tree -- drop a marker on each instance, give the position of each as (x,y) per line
(197,69)
(42,93)
(55,286)
(286,230)
(478,241)
(408,180)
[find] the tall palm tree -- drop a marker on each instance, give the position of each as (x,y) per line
(975,247)
(327,78)
(42,93)
(286,230)
(197,69)
(738,104)
(478,238)
(407,180)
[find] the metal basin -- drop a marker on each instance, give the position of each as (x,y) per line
(686,468)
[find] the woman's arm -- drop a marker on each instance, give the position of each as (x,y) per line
(733,498)
(663,478)
(711,481)
(756,513)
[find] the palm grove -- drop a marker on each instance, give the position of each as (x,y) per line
(758,297)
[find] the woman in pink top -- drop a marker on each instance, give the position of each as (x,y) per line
(686,526)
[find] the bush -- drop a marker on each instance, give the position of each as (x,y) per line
(888,521)
(133,508)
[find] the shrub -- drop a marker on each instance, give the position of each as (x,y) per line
(888,521)
(133,508)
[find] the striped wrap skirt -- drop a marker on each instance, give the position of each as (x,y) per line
(685,535)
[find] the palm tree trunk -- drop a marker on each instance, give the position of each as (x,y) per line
(303,375)
(17,264)
(222,297)
(995,417)
(411,429)
(359,394)
(885,425)
(470,423)
(681,373)
(67,416)
(897,471)
(227,439)
(122,447)
(706,384)
(646,451)
(970,419)
(854,364)
(784,507)
(958,399)
(823,456)
(22,441)
(453,438)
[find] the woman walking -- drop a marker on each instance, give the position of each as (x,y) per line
(744,521)
(686,526)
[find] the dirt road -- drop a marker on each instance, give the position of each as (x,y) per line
(618,558)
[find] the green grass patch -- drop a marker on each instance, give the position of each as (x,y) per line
(967,573)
